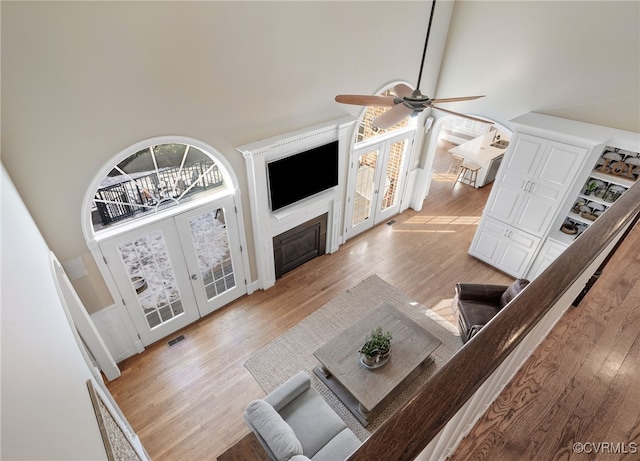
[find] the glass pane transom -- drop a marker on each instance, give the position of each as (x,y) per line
(366,128)
(152,179)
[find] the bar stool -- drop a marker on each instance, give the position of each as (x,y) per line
(456,163)
(472,169)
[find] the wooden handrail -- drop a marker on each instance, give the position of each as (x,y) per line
(410,429)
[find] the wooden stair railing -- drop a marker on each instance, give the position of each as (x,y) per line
(410,429)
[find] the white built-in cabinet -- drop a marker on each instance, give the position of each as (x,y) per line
(547,164)
(503,246)
(532,181)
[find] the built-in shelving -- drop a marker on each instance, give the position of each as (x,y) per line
(615,171)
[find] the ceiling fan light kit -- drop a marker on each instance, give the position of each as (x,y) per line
(407,102)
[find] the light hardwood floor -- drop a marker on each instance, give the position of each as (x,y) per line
(185,402)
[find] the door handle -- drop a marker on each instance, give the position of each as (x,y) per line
(194,277)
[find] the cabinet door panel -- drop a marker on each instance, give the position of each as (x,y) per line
(517,254)
(487,245)
(522,160)
(488,240)
(548,253)
(535,214)
(513,260)
(560,163)
(557,168)
(505,203)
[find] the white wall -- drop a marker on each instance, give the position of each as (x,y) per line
(573,59)
(46,410)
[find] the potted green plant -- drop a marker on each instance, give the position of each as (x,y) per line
(376,348)
(590,188)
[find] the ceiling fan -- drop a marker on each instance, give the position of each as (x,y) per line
(407,101)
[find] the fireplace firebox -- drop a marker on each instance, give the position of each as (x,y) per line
(300,244)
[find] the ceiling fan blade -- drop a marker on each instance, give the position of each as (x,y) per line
(392,116)
(402,90)
(462,115)
(464,98)
(364,100)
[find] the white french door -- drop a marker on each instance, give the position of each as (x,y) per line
(211,245)
(176,270)
(376,180)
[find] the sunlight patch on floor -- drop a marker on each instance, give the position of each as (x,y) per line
(444,177)
(426,231)
(434,224)
(460,220)
(444,310)
(442,305)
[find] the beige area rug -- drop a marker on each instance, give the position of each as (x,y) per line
(293,350)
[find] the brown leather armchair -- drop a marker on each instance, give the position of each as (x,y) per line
(475,304)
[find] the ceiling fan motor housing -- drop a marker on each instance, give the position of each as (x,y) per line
(416,101)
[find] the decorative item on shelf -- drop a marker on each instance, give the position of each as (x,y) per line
(613,193)
(586,212)
(569,228)
(600,191)
(577,205)
(634,167)
(376,350)
(609,158)
(620,163)
(591,186)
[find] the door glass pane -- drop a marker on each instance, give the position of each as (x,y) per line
(365,186)
(211,244)
(152,277)
(391,178)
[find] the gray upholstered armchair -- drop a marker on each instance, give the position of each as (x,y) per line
(475,304)
(295,423)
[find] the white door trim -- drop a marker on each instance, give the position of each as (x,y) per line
(82,326)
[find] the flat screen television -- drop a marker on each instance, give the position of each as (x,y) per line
(302,175)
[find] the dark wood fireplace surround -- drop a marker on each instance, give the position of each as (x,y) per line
(299,244)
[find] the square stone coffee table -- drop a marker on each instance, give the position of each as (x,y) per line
(367,391)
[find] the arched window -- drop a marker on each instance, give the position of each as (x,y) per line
(152,178)
(367,130)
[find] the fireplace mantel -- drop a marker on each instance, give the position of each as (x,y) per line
(267,224)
